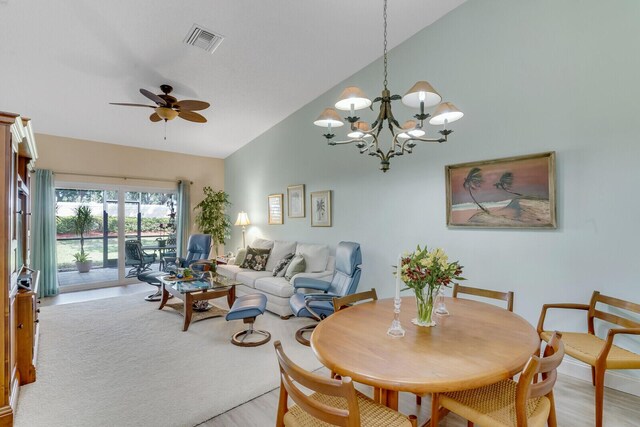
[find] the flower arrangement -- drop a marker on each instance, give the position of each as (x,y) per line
(425,272)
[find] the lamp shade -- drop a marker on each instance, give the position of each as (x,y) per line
(352,96)
(446,111)
(411,130)
(359,132)
(421,91)
(243,219)
(166,113)
(329,117)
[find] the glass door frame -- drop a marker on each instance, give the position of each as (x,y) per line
(122,189)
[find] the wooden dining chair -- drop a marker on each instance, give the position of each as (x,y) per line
(485,293)
(600,353)
(511,403)
(340,303)
(333,401)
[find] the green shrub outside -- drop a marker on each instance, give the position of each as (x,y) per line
(65,225)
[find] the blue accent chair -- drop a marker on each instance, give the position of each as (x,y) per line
(198,249)
(318,305)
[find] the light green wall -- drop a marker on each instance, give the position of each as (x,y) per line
(531,76)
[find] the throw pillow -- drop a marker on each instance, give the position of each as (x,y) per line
(315,256)
(262,243)
(256,259)
(281,266)
(279,250)
(297,265)
(242,254)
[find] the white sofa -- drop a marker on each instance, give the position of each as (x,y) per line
(320,264)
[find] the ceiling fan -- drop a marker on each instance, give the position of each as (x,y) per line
(168,107)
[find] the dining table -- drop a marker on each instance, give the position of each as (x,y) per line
(475,345)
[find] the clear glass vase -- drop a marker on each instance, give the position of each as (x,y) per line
(424,302)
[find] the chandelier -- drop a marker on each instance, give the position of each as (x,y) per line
(366,137)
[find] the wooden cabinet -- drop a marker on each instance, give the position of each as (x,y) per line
(18,323)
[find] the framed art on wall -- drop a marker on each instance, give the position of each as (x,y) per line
(295,201)
(321,208)
(275,209)
(513,192)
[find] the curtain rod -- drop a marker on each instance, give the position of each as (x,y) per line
(119,177)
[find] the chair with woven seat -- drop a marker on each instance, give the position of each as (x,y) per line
(485,293)
(600,353)
(318,305)
(137,258)
(509,403)
(333,402)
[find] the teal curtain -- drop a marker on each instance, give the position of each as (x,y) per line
(43,233)
(184,217)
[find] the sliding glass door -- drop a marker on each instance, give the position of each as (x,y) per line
(95,221)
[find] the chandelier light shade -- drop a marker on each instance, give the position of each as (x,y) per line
(421,92)
(367,137)
(352,98)
(446,113)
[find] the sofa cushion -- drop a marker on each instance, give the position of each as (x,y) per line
(281,266)
(279,250)
(278,286)
(256,259)
(228,270)
(297,265)
(315,257)
(262,244)
(248,277)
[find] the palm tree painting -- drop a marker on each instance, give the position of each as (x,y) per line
(321,209)
(514,192)
(472,182)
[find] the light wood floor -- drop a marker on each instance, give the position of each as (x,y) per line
(574,397)
(574,407)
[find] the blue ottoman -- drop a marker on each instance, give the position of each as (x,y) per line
(153,278)
(247,308)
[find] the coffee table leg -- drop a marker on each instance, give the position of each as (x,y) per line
(231,296)
(165,297)
(188,309)
(435,409)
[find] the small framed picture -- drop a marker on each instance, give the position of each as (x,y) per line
(295,201)
(275,209)
(321,208)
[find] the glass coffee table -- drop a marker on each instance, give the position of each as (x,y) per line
(195,291)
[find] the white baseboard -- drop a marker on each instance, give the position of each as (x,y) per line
(615,379)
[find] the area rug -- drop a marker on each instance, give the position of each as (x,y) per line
(122,362)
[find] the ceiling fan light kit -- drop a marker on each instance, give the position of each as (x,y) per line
(168,107)
(366,137)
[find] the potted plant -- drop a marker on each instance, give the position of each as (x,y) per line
(211,217)
(83,221)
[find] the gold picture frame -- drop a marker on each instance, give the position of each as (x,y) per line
(296,201)
(275,209)
(320,208)
(511,192)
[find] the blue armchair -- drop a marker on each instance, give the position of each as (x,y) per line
(319,304)
(198,248)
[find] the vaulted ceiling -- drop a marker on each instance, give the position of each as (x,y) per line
(62,62)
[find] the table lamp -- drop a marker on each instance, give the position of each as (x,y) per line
(243,220)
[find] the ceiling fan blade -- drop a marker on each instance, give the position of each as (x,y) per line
(192,105)
(155,117)
(132,105)
(152,96)
(192,117)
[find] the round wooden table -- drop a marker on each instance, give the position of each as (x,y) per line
(476,345)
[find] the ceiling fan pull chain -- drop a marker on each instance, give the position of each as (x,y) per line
(165,129)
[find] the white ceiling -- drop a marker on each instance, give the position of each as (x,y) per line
(64,61)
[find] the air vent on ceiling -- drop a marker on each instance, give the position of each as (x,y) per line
(203,38)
